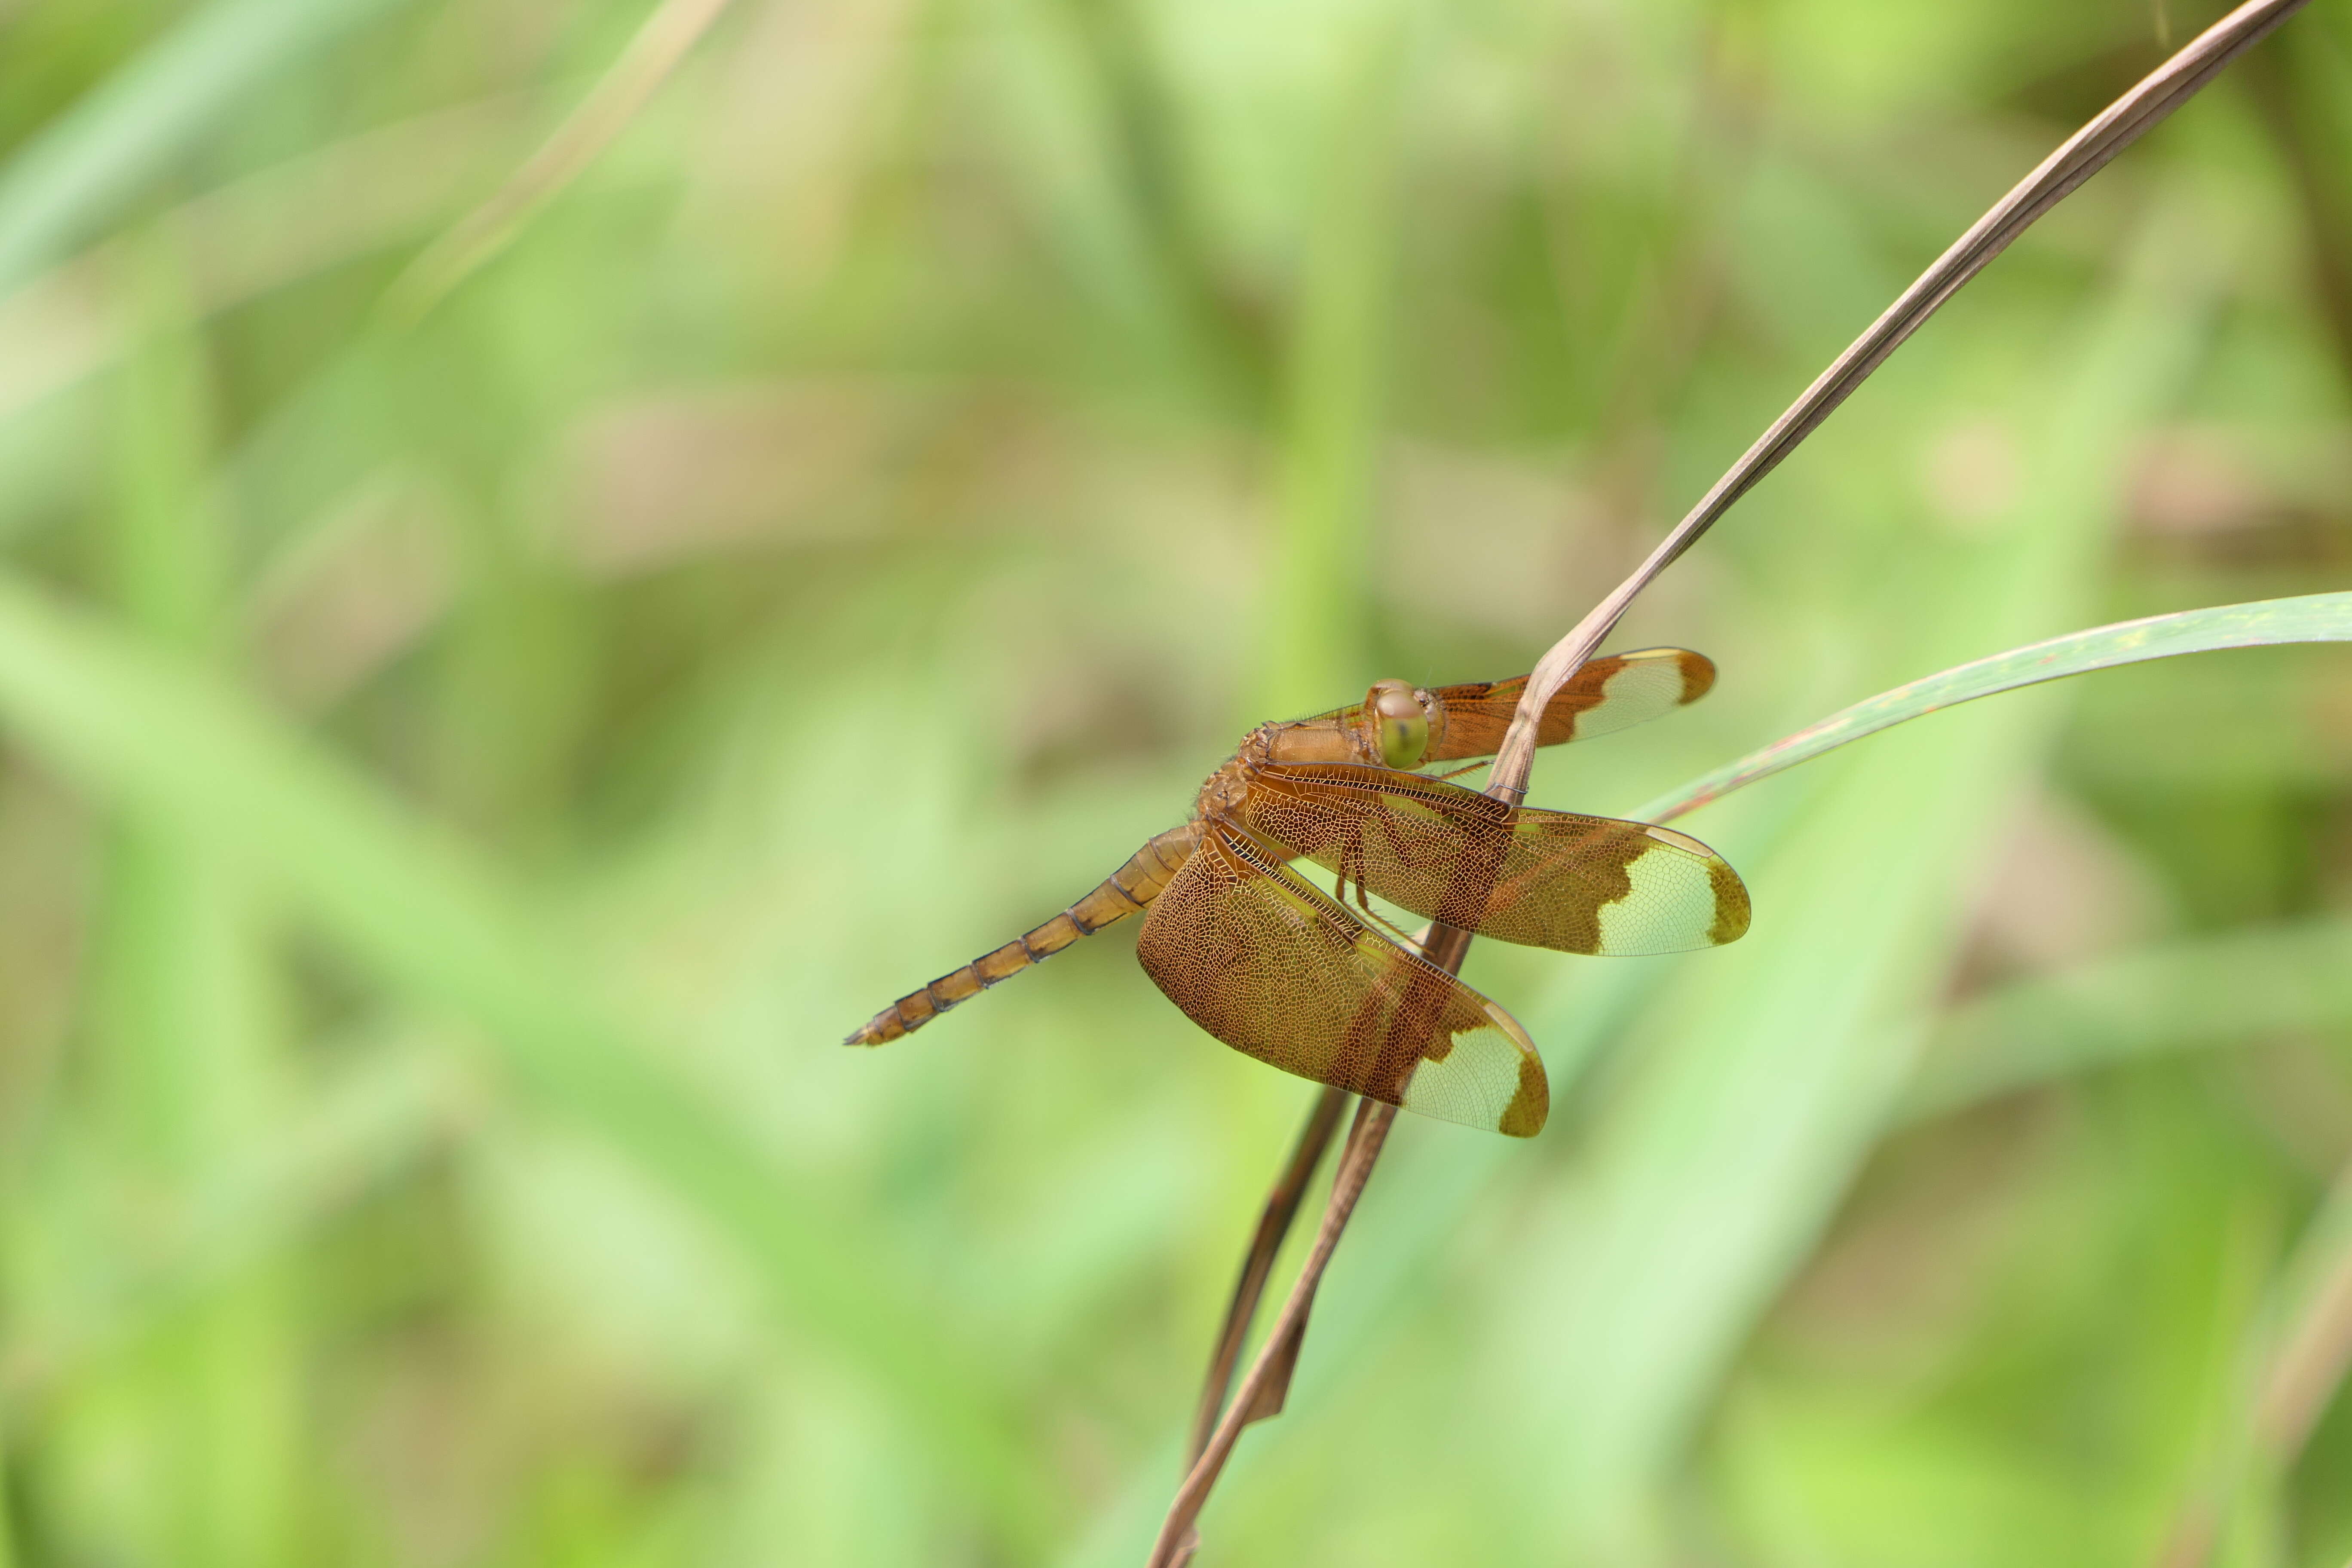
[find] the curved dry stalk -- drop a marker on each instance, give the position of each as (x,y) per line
(1272,1225)
(1264,1386)
(2316,1352)
(1280,1352)
(2083,154)
(659,44)
(2302,1352)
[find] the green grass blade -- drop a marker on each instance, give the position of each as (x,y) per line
(661,42)
(184,995)
(72,178)
(350,1138)
(1769,1072)
(2291,1361)
(2313,617)
(1061,119)
(2179,996)
(1335,392)
(410,904)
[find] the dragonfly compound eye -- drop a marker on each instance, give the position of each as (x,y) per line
(1404,723)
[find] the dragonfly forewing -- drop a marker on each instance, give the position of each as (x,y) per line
(1605,696)
(1543,878)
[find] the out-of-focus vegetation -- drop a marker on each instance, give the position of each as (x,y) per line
(464,774)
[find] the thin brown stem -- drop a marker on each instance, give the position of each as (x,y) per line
(2308,122)
(2301,1351)
(2311,1365)
(1273,1229)
(1281,1348)
(2082,155)
(1264,1386)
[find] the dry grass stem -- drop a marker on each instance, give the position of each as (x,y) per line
(2082,155)
(655,50)
(1280,1350)
(2311,1365)
(1265,1385)
(2304,1349)
(1273,1227)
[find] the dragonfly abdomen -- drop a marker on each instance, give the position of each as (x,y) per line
(1124,892)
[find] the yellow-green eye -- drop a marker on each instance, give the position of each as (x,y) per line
(1403,725)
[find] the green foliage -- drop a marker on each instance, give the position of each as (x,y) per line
(464,775)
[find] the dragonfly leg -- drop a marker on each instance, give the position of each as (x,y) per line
(1340,887)
(1457,773)
(1351,858)
(1364,895)
(1411,943)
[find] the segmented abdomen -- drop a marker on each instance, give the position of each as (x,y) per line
(1124,892)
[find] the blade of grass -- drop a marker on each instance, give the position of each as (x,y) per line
(2297,1355)
(412,906)
(367,1124)
(1770,1070)
(96,158)
(2300,94)
(1337,377)
(183,994)
(2314,1349)
(2313,618)
(1336,381)
(659,44)
(2177,996)
(2105,395)
(1065,119)
(259,232)
(2082,155)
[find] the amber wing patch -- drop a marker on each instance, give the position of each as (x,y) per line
(1541,879)
(1277,970)
(1607,695)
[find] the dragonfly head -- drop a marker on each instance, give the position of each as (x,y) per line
(1399,721)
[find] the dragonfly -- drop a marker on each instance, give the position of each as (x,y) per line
(1268,962)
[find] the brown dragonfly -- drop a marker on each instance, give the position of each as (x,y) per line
(1280,970)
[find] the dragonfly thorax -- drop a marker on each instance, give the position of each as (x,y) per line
(1222,793)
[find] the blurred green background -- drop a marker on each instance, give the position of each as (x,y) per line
(477,739)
